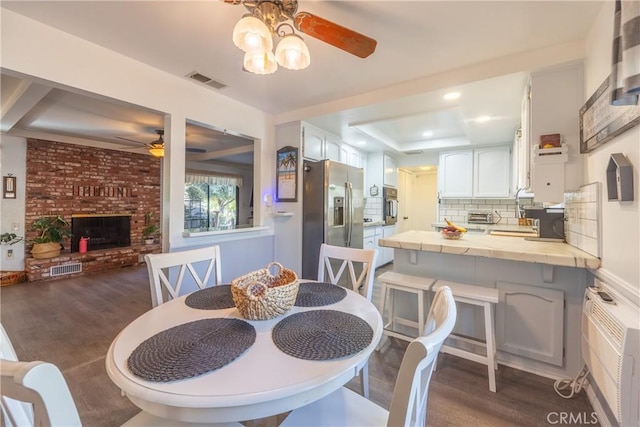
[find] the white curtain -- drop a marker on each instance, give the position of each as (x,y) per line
(625,73)
(212,178)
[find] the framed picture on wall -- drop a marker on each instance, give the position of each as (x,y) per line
(9,187)
(287,174)
(600,121)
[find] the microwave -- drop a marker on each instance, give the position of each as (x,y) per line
(480,217)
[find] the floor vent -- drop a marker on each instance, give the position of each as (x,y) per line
(61,270)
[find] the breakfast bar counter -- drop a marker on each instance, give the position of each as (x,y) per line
(498,247)
(541,289)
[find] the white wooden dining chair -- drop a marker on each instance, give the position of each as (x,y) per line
(36,394)
(409,401)
(345,260)
(167,272)
(338,264)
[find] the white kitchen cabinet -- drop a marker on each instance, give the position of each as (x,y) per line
(319,145)
(376,165)
(351,156)
(332,146)
(530,322)
(455,174)
(480,173)
(491,172)
(390,178)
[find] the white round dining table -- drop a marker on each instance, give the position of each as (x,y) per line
(262,382)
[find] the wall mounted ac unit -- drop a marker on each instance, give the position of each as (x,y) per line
(611,350)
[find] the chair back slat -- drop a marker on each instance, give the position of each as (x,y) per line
(350,257)
(43,386)
(167,271)
(409,400)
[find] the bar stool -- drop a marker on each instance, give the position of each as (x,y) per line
(485,298)
(393,281)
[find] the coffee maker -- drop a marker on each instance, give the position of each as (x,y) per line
(548,222)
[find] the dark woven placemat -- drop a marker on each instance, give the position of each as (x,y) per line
(318,294)
(213,298)
(191,349)
(322,334)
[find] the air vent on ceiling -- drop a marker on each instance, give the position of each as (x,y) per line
(206,80)
(414,152)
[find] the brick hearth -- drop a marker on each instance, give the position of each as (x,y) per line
(66,179)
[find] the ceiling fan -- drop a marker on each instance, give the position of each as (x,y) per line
(156,148)
(273,12)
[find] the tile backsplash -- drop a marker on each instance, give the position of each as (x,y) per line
(456,210)
(373,208)
(582,212)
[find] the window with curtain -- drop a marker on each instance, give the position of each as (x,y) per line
(211,200)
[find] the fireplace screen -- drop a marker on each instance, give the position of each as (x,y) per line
(103,232)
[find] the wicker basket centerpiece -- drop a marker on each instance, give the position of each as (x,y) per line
(260,295)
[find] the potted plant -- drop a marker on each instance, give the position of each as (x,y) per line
(52,230)
(150,232)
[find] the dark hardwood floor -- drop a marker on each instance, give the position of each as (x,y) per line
(71,323)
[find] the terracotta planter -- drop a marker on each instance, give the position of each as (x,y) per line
(45,250)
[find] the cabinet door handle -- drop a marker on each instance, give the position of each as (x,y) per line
(405,217)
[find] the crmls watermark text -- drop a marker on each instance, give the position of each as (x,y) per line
(572,418)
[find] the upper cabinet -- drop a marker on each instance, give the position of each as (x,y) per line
(390,178)
(381,170)
(455,174)
(481,173)
(352,157)
(319,145)
(491,172)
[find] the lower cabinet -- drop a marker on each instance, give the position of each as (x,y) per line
(371,236)
(530,322)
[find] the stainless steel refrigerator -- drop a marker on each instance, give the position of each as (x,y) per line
(332,210)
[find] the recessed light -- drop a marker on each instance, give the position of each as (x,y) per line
(482,119)
(427,133)
(451,95)
(425,168)
(361,143)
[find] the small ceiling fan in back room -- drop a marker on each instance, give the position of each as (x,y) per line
(156,148)
(254,34)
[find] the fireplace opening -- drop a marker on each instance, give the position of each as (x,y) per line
(102,231)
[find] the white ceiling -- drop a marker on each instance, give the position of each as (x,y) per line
(415,39)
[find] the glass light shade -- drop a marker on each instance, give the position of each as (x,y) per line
(252,35)
(293,53)
(157,151)
(260,63)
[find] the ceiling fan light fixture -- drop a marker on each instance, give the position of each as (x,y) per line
(252,35)
(156,150)
(260,63)
(292,53)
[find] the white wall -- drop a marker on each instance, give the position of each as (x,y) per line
(620,221)
(51,57)
(13,155)
(425,201)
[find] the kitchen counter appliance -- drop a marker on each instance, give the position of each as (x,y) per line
(332,210)
(548,222)
(480,217)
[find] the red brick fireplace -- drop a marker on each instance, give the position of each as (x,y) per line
(67,179)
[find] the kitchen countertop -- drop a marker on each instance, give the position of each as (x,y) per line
(499,247)
(486,227)
(373,224)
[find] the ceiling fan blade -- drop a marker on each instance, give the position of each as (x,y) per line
(336,35)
